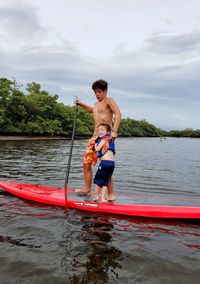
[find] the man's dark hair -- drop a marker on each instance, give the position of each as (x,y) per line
(100,84)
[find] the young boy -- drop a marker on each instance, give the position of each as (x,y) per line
(105,148)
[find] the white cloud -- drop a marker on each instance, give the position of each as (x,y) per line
(149,53)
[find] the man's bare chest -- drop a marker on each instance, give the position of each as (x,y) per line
(101,108)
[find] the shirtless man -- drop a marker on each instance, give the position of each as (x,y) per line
(104,111)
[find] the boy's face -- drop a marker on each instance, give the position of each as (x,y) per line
(102,131)
(100,95)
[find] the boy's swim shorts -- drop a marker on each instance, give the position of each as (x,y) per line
(104,172)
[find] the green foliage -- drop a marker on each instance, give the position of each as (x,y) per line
(196,133)
(84,124)
(6,91)
(188,132)
(39,113)
(130,127)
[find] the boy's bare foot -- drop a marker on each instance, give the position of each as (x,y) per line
(96,198)
(82,192)
(104,200)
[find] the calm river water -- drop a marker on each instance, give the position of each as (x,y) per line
(42,244)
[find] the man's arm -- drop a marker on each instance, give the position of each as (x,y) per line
(86,107)
(115,109)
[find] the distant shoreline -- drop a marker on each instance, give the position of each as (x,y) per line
(30,138)
(24,137)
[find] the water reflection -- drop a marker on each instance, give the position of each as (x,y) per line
(88,248)
(184,232)
(106,249)
(95,259)
(16,242)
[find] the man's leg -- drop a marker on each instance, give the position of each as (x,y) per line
(87,171)
(89,159)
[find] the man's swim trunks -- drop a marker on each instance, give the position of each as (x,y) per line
(90,156)
(104,172)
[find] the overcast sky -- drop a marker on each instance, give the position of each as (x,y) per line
(148,51)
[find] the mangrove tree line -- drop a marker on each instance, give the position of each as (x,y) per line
(36,112)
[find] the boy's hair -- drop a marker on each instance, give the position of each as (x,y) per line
(100,84)
(107,126)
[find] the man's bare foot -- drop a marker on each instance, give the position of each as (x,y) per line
(104,200)
(111,198)
(82,192)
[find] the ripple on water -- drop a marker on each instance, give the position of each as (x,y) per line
(42,244)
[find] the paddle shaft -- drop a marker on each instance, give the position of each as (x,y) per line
(70,154)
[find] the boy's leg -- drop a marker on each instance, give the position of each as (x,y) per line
(96,195)
(111,194)
(104,194)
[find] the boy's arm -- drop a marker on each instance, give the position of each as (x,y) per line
(86,107)
(115,109)
(98,147)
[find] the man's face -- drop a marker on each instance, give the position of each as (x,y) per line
(100,95)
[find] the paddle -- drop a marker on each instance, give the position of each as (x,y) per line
(70,155)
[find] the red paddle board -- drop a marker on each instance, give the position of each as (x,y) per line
(124,204)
